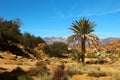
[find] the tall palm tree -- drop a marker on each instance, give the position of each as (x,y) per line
(83,34)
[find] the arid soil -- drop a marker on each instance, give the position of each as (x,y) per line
(8,62)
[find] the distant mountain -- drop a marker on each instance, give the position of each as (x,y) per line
(108,40)
(50,40)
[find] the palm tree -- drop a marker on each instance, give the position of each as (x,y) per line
(83,34)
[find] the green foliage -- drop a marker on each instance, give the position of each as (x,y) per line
(47,50)
(29,40)
(10,35)
(9,32)
(55,49)
(24,77)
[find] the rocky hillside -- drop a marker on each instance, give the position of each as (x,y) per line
(108,40)
(114,45)
(111,47)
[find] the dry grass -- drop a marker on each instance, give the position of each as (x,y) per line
(73,70)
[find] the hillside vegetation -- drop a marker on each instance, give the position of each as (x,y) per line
(11,39)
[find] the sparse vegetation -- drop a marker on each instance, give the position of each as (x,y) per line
(56,49)
(59,73)
(91,55)
(24,77)
(73,69)
(97,73)
(116,75)
(76,55)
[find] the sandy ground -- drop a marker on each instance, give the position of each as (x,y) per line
(8,63)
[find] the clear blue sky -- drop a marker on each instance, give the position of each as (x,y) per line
(54,17)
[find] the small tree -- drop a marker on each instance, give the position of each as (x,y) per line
(56,49)
(30,41)
(9,32)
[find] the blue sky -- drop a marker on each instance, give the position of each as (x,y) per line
(48,18)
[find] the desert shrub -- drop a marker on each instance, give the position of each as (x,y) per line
(101,60)
(91,55)
(20,74)
(119,55)
(76,55)
(98,61)
(55,49)
(41,71)
(94,71)
(73,69)
(48,51)
(112,53)
(97,73)
(92,62)
(88,69)
(108,51)
(79,69)
(115,76)
(18,71)
(25,77)
(59,74)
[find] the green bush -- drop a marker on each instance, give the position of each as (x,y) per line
(29,40)
(9,32)
(25,77)
(55,49)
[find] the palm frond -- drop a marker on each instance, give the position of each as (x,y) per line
(73,40)
(93,39)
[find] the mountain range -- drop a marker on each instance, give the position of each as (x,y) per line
(50,40)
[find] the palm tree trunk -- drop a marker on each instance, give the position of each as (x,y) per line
(83,50)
